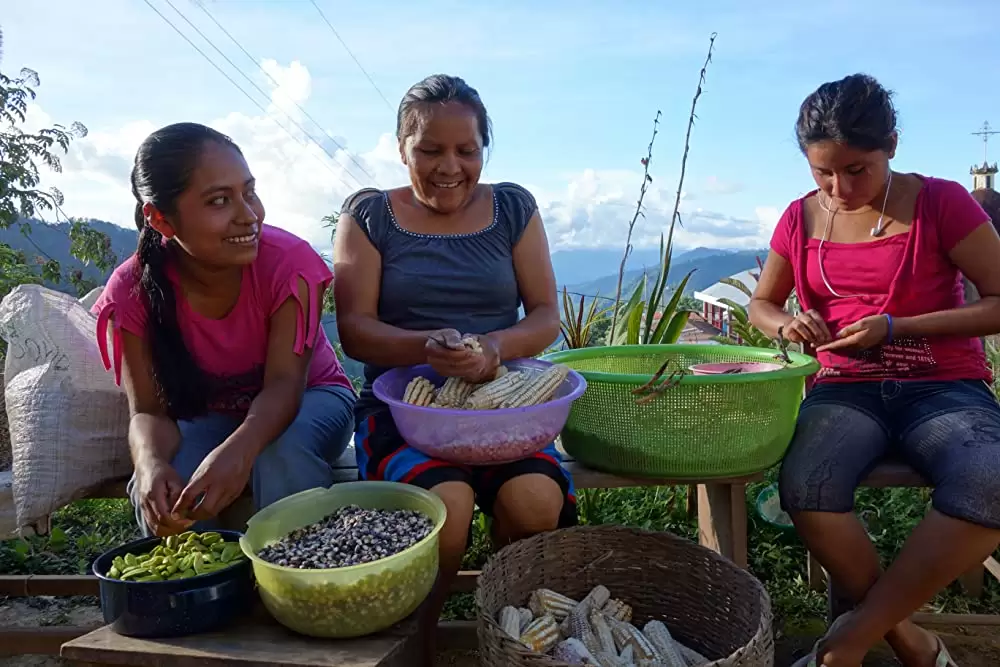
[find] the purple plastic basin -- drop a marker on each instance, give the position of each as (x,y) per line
(477,437)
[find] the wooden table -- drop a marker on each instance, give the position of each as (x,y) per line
(253,641)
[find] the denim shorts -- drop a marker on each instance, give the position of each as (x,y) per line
(948,431)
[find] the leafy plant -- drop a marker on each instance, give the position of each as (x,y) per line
(650,321)
(22,157)
(578,328)
(739,322)
(330,222)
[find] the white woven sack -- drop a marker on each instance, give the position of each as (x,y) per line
(68,420)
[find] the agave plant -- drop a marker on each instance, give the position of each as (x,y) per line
(643,321)
(576,326)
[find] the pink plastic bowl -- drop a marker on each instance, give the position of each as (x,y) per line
(478,437)
(734,367)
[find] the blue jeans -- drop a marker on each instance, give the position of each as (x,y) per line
(949,432)
(301,458)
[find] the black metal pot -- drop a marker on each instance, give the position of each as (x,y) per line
(173,608)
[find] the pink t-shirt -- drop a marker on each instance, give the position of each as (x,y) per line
(904,275)
(232,351)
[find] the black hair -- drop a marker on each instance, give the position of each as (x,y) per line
(856,111)
(441,89)
(162,170)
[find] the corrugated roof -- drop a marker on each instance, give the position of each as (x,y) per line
(720,291)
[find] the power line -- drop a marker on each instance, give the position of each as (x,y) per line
(265,94)
(350,53)
(276,84)
(238,87)
(593,296)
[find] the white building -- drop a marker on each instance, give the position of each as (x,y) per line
(715,312)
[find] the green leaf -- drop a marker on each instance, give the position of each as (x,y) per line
(658,287)
(658,336)
(736,310)
(737,284)
(675,328)
(635,324)
(625,311)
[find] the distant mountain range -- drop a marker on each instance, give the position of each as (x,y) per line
(591,271)
(52,241)
(582,265)
(708,266)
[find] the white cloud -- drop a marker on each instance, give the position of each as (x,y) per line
(596,206)
(301,180)
(716,186)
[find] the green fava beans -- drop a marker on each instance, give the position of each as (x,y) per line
(176,557)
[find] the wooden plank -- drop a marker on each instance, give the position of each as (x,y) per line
(722,520)
(956,619)
(256,641)
(587,478)
(50,584)
(459,635)
(36,640)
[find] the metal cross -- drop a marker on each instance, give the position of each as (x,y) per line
(986,132)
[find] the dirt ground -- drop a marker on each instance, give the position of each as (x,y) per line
(971,646)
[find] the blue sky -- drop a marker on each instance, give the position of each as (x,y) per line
(572,88)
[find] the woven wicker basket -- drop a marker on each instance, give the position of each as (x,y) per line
(709,604)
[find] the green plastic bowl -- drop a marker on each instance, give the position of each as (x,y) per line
(769,509)
(705,427)
(348,601)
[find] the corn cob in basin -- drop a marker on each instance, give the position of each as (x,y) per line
(492,394)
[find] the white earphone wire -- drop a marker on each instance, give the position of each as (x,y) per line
(876,231)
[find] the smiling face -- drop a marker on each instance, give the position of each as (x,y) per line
(850,177)
(217,219)
(444,155)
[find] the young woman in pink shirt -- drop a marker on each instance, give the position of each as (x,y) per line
(876,258)
(216,337)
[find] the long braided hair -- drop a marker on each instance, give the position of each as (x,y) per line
(162,169)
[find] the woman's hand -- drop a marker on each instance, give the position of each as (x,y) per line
(218,481)
(862,335)
(809,328)
(449,356)
(158,486)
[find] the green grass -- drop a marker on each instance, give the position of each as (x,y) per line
(81,531)
(85,529)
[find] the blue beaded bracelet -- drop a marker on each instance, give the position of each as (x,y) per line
(888,319)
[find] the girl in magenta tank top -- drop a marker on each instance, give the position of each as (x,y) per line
(877,259)
(215,334)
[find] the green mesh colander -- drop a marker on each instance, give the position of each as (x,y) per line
(707,426)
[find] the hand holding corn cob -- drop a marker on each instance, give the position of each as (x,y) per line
(470,357)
